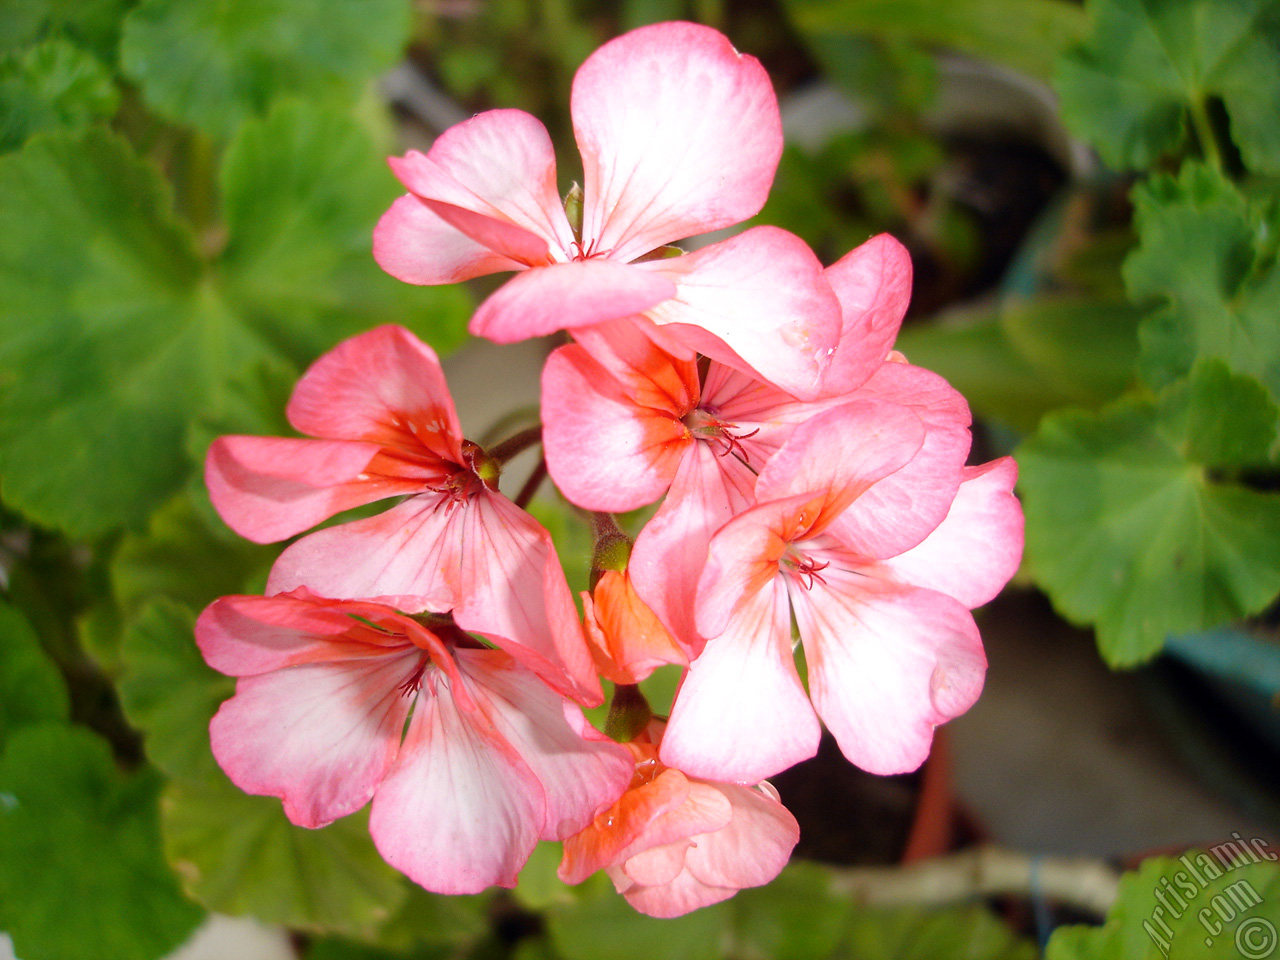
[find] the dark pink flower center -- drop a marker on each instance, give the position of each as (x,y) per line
(704,425)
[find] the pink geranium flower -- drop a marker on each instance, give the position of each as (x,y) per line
(673,843)
(626,422)
(680,135)
(891,647)
(386,427)
(493,759)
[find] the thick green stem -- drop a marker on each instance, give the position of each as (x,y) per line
(516,444)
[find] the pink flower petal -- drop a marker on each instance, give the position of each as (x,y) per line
(978,547)
(247,635)
(499,164)
(483,558)
(660,864)
(840,455)
(604,451)
(679,134)
(581,770)
(413,244)
(385,387)
(513,242)
(741,713)
(887,664)
(873,284)
(270,488)
(707,491)
(752,848)
(460,810)
(320,736)
(758,302)
(567,295)
(901,510)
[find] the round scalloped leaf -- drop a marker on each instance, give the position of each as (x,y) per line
(169,692)
(1133,522)
(1206,255)
(81,872)
(52,86)
(1224,902)
(302,190)
(238,854)
(214,63)
(31,688)
(1131,87)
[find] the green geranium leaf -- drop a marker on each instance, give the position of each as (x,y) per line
(214,63)
(1023,34)
(1200,906)
(301,191)
(919,933)
(603,926)
(1032,356)
(31,688)
(81,873)
(92,24)
(1149,67)
(434,922)
(1207,256)
(51,86)
(109,339)
(118,345)
(796,916)
(1134,522)
(184,557)
(168,692)
(238,854)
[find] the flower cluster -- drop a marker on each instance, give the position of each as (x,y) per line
(430,658)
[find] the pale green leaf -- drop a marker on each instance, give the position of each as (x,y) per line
(81,872)
(1149,68)
(1201,906)
(1023,34)
(215,63)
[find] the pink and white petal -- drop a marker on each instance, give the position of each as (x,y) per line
(516,243)
(270,488)
(242,636)
(407,556)
(841,454)
(682,895)
(513,590)
(604,451)
(385,387)
(658,864)
(741,713)
(978,547)
(873,284)
(758,302)
(564,296)
(669,552)
(460,810)
(679,133)
(887,663)
(752,848)
(412,243)
(581,771)
(499,164)
(321,736)
(901,510)
(647,374)
(626,827)
(743,557)
(762,415)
